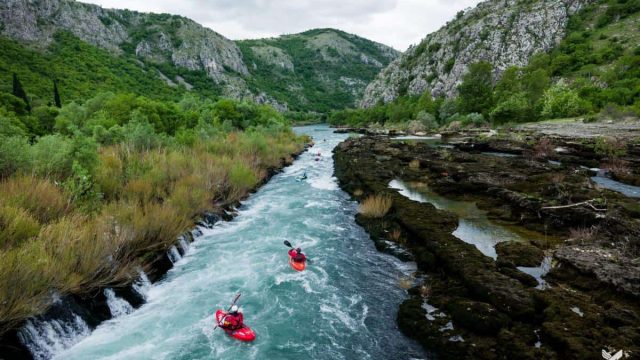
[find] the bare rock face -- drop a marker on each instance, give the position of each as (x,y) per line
(154,37)
(504,33)
(37,21)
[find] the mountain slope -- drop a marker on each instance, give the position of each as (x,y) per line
(321,69)
(156,38)
(318,70)
(504,33)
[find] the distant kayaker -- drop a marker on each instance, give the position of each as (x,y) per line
(233,320)
(297,255)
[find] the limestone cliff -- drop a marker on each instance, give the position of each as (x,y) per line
(503,32)
(158,38)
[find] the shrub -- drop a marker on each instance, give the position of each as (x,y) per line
(415,126)
(473,119)
(543,149)
(610,147)
(51,156)
(14,155)
(427,120)
(375,206)
(10,125)
(561,101)
(139,134)
(454,126)
(448,108)
(514,109)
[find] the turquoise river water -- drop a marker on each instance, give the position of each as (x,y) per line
(343,307)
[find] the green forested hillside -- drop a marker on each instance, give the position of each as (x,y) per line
(82,69)
(595,71)
(318,70)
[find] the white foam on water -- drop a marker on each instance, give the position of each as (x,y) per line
(174,254)
(142,284)
(184,245)
(324,182)
(46,338)
(117,306)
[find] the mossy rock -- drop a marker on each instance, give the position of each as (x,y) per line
(519,253)
(479,317)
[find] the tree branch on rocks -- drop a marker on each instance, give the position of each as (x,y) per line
(587,203)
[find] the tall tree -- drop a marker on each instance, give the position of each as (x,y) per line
(56,95)
(476,89)
(19,92)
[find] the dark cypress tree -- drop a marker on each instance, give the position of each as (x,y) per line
(56,95)
(18,92)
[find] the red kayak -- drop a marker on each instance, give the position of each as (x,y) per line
(243,334)
(297,266)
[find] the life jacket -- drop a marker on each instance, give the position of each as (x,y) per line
(296,256)
(233,321)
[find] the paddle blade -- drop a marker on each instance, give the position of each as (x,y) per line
(288,244)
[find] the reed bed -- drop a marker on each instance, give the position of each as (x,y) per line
(52,243)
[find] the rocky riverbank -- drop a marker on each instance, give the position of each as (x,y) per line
(469,305)
(92,307)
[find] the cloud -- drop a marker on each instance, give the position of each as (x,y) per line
(398,23)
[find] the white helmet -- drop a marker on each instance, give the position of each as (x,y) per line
(234,308)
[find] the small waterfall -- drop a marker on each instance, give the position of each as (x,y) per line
(142,285)
(45,338)
(184,245)
(174,255)
(117,306)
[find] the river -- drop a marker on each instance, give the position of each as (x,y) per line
(342,307)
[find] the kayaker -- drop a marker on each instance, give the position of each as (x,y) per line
(233,320)
(297,255)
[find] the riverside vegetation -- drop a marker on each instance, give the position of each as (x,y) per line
(92,191)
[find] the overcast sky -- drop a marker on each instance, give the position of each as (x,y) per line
(398,23)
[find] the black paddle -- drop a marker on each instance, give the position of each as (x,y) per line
(233,303)
(291,246)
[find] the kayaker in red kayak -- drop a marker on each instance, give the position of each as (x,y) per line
(297,255)
(233,320)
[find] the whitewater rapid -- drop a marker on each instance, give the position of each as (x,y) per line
(342,307)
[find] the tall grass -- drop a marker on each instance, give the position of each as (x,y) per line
(49,243)
(375,206)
